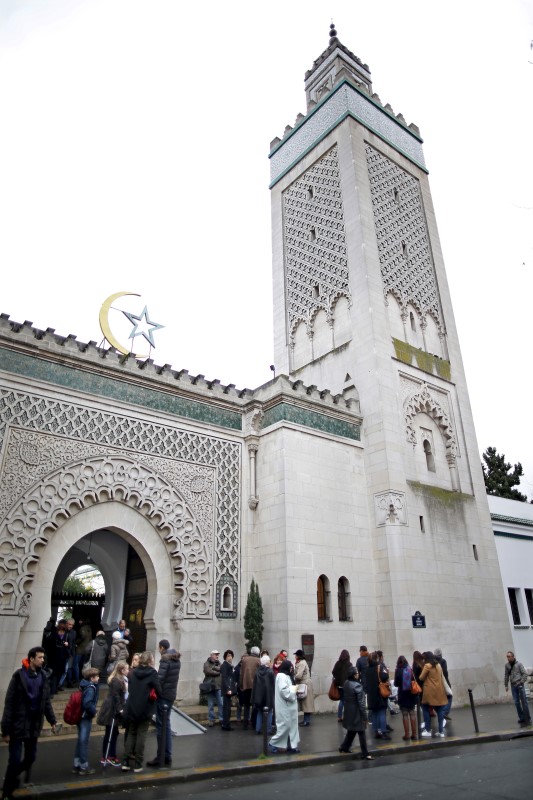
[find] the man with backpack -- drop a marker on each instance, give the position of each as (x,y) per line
(27,703)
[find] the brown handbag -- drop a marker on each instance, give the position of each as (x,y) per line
(334,693)
(383,686)
(415,687)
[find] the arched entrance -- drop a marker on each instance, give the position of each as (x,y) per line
(130,528)
(125,583)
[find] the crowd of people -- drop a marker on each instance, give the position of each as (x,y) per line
(68,650)
(260,690)
(259,687)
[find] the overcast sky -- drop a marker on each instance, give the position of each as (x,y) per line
(134,138)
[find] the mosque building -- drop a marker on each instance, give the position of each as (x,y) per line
(349,486)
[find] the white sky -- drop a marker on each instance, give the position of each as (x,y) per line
(134,137)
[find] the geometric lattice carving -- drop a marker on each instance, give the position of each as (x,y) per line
(66,491)
(424,402)
(405,258)
(316,266)
(150,442)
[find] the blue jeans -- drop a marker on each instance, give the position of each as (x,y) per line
(448,705)
(16,764)
(520,701)
(340,707)
(167,755)
(439,711)
(214,698)
(81,754)
(379,720)
(259,720)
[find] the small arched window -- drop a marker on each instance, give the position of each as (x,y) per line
(412,321)
(343,599)
(227,599)
(322,598)
(430,458)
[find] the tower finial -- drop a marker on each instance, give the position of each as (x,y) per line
(332,33)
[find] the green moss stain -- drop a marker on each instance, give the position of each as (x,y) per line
(425,361)
(444,496)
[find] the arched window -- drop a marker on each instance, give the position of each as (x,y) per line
(430,459)
(412,321)
(322,598)
(343,599)
(227,599)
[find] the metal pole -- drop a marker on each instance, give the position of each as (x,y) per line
(163,741)
(472,706)
(265,730)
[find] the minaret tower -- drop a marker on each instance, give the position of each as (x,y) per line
(362,306)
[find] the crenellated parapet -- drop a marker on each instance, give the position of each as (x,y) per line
(44,355)
(338,85)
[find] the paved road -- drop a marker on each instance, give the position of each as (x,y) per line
(495,771)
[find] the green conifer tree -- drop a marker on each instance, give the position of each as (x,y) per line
(498,478)
(253,618)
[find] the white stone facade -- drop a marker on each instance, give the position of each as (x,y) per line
(368,486)
(512,522)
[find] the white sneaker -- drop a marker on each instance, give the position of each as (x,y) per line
(426,735)
(440,735)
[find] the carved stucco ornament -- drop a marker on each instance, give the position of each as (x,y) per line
(423,402)
(65,491)
(390,508)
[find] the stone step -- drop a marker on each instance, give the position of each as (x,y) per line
(60,700)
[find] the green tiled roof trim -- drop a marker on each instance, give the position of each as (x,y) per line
(513,536)
(119,390)
(286,412)
(515,520)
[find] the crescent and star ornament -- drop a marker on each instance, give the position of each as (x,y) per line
(142,324)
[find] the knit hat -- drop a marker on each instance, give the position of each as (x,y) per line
(117,635)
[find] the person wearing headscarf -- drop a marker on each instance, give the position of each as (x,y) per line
(287,735)
(340,675)
(302,675)
(355,714)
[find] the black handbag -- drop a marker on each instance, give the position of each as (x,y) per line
(206,687)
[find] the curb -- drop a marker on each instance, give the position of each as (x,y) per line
(269,763)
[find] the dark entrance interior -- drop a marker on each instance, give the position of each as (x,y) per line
(135,596)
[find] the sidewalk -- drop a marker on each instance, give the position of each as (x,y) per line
(216,752)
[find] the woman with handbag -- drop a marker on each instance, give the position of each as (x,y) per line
(144,689)
(355,715)
(403,680)
(340,675)
(302,678)
(110,713)
(377,676)
(433,694)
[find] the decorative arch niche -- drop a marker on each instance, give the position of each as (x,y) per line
(423,402)
(65,492)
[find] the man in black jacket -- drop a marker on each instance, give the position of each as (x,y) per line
(27,703)
(168,673)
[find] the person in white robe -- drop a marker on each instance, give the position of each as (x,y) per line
(287,736)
